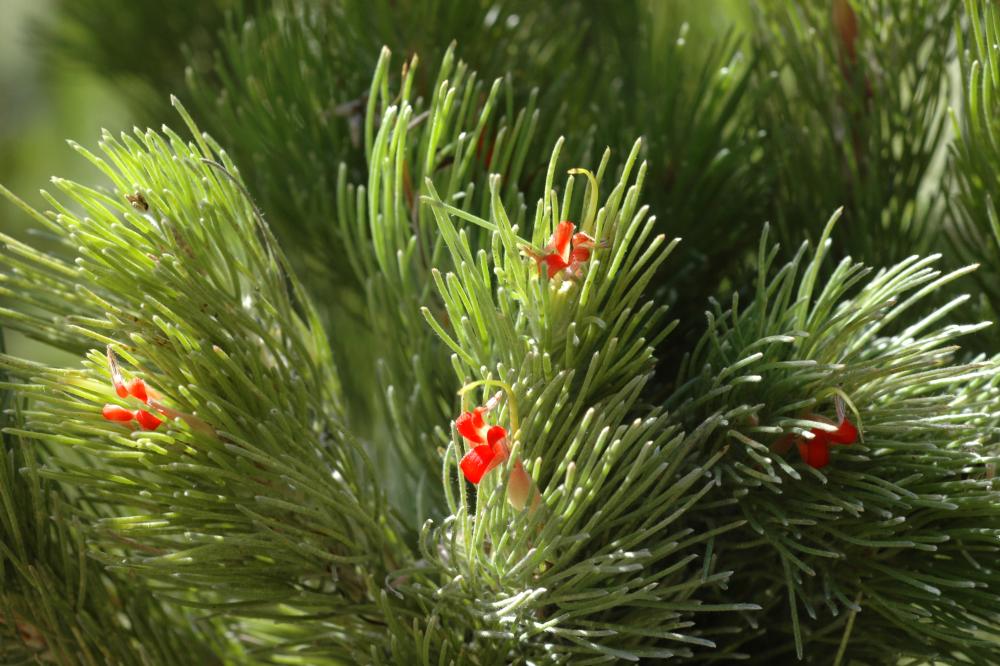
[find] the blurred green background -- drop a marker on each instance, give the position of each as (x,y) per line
(43,102)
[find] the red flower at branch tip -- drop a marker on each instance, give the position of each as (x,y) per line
(117,413)
(565,251)
(489,442)
(472,426)
(147,420)
(816,451)
(136,387)
(481,459)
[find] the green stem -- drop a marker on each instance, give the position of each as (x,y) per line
(591,214)
(511,400)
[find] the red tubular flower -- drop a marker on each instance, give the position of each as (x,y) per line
(583,244)
(816,451)
(477,462)
(846,433)
(491,440)
(137,389)
(565,251)
(554,263)
(562,240)
(472,426)
(147,420)
(117,413)
(481,459)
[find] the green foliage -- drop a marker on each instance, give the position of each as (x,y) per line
(58,605)
(693,104)
(893,537)
(975,155)
(271,518)
(607,469)
(195,297)
(304,503)
(856,121)
(144,52)
(287,93)
(392,245)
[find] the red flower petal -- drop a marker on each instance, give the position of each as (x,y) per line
(471,425)
(815,452)
(495,434)
(846,433)
(579,255)
(117,413)
(555,263)
(477,462)
(496,437)
(820,436)
(120,389)
(819,455)
(137,388)
(561,238)
(147,420)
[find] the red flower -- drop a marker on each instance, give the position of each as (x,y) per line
(816,451)
(147,420)
(481,459)
(116,413)
(565,251)
(846,433)
(472,426)
(489,442)
(137,389)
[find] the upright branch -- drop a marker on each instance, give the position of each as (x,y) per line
(235,483)
(858,449)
